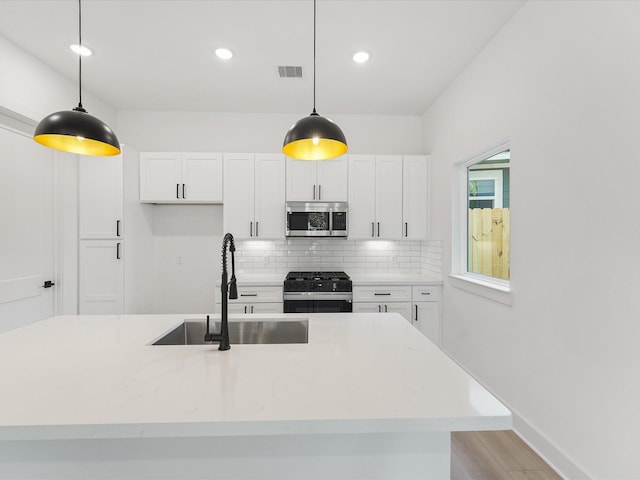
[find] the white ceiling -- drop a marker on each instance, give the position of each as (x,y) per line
(158,55)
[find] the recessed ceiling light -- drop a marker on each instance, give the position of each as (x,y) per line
(360,57)
(224,53)
(81,50)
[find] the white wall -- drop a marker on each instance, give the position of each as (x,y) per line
(562,82)
(33,89)
(194,233)
(236,132)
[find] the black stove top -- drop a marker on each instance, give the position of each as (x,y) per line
(317,282)
(316,276)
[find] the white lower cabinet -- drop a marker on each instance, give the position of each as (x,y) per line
(255,299)
(383,299)
(426,312)
(101,282)
(419,305)
(259,308)
(403,308)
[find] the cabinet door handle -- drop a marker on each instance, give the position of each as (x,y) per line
(251,308)
(251,229)
(117,228)
(314,192)
(245,309)
(373,229)
(379,308)
(378,229)
(406,229)
(177,190)
(387,294)
(319,192)
(257,235)
(416,313)
(118,251)
(183,189)
(385,309)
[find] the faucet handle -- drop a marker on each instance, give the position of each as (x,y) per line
(233,288)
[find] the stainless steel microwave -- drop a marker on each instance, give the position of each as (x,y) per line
(317,219)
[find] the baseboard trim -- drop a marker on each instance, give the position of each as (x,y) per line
(563,465)
(547,450)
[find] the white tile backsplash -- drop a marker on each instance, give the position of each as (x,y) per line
(364,256)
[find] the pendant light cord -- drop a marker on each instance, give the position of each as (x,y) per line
(314,56)
(80,56)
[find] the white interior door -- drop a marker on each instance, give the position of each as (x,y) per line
(26,230)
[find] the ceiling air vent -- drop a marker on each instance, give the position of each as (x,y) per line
(289,71)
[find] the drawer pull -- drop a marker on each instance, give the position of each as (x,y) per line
(383,294)
(425,293)
(248,294)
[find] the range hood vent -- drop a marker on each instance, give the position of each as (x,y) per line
(289,71)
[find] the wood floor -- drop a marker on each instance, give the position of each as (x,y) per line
(495,456)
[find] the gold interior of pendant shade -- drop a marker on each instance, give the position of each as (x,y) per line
(74,144)
(323,149)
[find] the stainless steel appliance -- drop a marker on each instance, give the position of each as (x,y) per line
(317,292)
(317,219)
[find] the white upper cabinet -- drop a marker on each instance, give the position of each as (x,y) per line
(100,199)
(254,195)
(415,202)
(362,196)
(202,177)
(174,177)
(324,180)
(269,185)
(388,197)
(375,197)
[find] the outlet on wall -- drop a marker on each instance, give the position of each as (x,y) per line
(179,260)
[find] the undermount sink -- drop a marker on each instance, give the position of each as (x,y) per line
(191,332)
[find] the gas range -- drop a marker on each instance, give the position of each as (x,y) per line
(317,292)
(317,282)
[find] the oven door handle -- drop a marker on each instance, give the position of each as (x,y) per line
(317,296)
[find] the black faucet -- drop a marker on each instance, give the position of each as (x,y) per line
(229,290)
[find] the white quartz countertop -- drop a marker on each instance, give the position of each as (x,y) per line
(258,279)
(99,377)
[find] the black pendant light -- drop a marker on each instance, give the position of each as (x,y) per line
(76,131)
(314,137)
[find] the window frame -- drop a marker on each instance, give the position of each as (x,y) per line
(489,287)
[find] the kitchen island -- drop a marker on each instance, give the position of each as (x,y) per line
(367,397)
